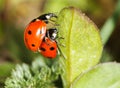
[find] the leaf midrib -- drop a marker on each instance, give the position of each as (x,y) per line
(69,49)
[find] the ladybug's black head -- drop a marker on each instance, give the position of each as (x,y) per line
(46,17)
(52,33)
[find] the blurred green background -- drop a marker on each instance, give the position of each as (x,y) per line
(16,14)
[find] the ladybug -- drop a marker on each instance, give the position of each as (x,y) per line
(35,32)
(48,47)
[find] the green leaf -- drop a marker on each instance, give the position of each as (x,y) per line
(81,45)
(105,75)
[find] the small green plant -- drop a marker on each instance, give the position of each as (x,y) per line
(39,75)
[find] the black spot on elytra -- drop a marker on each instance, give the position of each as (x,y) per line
(33,45)
(29,32)
(42,49)
(52,48)
(49,57)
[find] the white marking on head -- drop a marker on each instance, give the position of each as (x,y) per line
(54,35)
(48,16)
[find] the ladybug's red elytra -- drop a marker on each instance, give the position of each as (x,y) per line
(34,34)
(48,48)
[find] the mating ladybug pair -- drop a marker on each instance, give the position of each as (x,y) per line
(38,38)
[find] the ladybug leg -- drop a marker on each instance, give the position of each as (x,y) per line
(61,44)
(60,52)
(59,38)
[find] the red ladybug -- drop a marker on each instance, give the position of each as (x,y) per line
(48,48)
(35,32)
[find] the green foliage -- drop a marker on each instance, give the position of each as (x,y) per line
(39,75)
(110,24)
(107,30)
(5,69)
(81,44)
(105,75)
(80,47)
(106,57)
(56,6)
